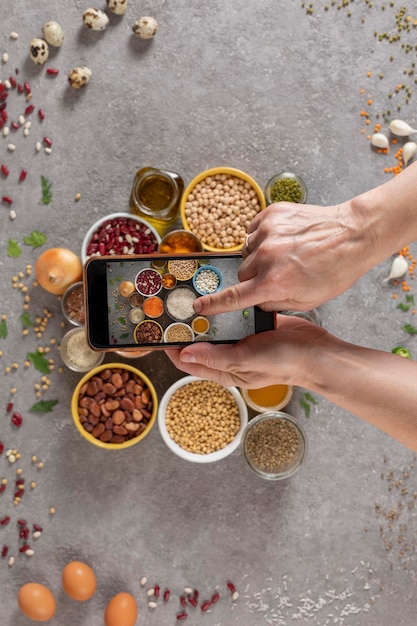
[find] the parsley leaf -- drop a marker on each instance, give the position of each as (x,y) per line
(3,329)
(35,239)
(26,321)
(39,361)
(411,330)
(306,400)
(43,406)
(13,249)
(46,191)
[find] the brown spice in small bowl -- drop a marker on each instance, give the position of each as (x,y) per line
(73,305)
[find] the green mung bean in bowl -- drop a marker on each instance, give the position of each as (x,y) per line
(285,187)
(274,445)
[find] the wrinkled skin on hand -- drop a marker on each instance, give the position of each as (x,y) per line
(256,361)
(302,256)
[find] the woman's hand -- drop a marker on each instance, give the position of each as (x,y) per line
(297,257)
(258,360)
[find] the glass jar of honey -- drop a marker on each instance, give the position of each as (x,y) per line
(156,195)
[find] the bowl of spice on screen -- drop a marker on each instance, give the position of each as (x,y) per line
(274,445)
(285,187)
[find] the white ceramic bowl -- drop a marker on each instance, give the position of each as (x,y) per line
(191,456)
(89,234)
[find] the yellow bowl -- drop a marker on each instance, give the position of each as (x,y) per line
(230,171)
(88,436)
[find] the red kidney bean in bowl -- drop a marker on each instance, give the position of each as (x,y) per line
(120,233)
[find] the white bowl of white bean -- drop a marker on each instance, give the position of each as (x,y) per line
(218,205)
(201,421)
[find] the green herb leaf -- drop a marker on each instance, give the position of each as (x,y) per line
(306,400)
(122,320)
(214,330)
(43,406)
(411,330)
(124,336)
(410,299)
(46,191)
(306,406)
(26,321)
(3,329)
(404,307)
(39,361)
(35,239)
(245,313)
(13,249)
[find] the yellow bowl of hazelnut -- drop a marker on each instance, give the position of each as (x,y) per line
(114,406)
(218,205)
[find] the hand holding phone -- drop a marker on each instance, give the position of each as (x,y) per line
(148,301)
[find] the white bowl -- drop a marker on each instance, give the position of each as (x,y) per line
(111,216)
(191,456)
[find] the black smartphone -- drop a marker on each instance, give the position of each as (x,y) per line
(147,301)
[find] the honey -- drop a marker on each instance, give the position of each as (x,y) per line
(155,196)
(272,396)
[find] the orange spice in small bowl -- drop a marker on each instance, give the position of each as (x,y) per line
(153,307)
(168,281)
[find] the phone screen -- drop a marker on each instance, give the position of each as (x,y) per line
(147,301)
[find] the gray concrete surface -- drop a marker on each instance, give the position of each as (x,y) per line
(262,86)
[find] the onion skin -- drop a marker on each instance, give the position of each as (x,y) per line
(58,268)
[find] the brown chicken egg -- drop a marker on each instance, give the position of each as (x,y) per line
(79,581)
(121,610)
(36,601)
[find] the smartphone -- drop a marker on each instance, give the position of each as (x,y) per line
(147,301)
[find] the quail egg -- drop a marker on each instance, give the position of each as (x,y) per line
(38,51)
(145,27)
(95,19)
(53,33)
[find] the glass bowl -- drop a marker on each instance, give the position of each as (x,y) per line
(76,353)
(274,445)
(72,304)
(294,190)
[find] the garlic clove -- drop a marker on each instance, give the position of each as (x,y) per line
(409,150)
(401,128)
(379,140)
(398,268)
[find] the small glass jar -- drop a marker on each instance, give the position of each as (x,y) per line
(155,196)
(274,445)
(286,187)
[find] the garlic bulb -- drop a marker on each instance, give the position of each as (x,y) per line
(379,140)
(398,268)
(401,129)
(409,150)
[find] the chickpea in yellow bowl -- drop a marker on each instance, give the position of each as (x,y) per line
(218,205)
